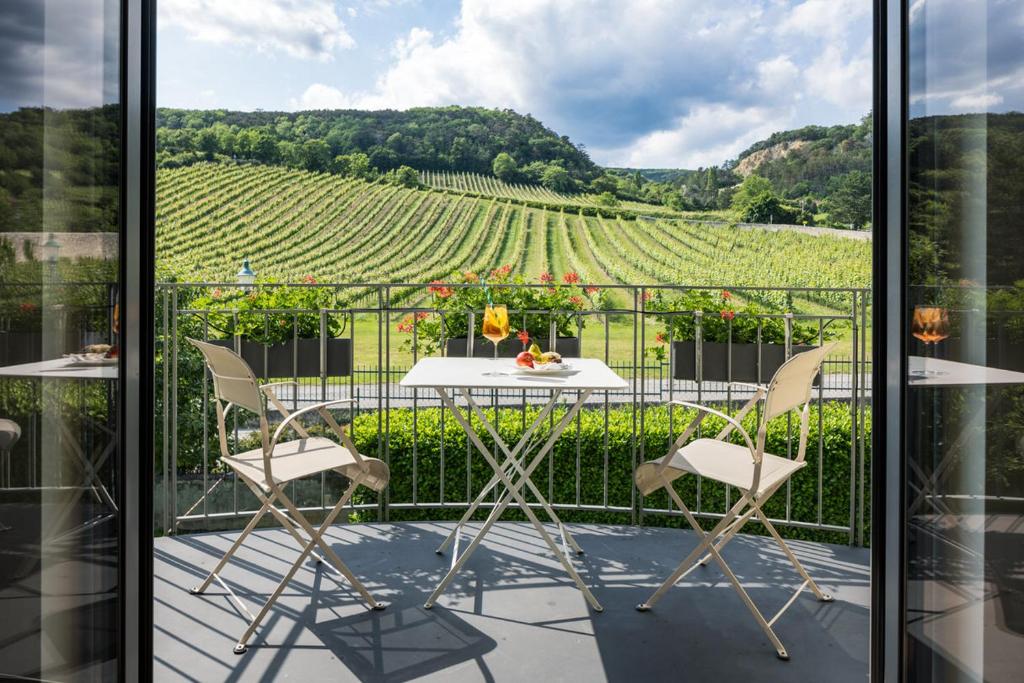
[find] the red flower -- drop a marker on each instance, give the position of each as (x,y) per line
(660,338)
(439,290)
(309,280)
(523,336)
(406,325)
(726,294)
(591,291)
(422,315)
(470,276)
(501,273)
(728,315)
(216,293)
(648,295)
(576,301)
(547,277)
(570,278)
(27,307)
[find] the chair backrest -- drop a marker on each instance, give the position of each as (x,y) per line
(233,379)
(10,432)
(791,386)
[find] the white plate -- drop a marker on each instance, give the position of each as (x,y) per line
(97,359)
(545,369)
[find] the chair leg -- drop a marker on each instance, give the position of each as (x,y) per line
(818,593)
(315,538)
(686,564)
(267,504)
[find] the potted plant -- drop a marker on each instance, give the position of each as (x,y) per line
(532,312)
(729,348)
(279,328)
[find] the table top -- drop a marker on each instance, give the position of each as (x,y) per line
(948,373)
(59,368)
(584,373)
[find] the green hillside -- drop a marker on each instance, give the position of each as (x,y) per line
(293,223)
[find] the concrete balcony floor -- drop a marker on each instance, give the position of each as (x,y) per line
(512,614)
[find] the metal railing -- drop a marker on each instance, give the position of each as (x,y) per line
(593,474)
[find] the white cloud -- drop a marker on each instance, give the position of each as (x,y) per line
(839,79)
(777,75)
(320,96)
(824,18)
(306,29)
(974,102)
(707,135)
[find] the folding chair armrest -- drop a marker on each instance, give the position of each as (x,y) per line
(732,422)
(321,409)
(758,388)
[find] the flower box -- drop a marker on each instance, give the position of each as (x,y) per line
(716,356)
(282,360)
(509,348)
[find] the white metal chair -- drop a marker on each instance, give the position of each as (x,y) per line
(747,467)
(267,469)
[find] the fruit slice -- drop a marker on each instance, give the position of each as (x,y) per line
(535,351)
(525,359)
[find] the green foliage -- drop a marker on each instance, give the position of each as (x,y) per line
(607,199)
(849,199)
(421,433)
(723,319)
(504,167)
(251,309)
(559,297)
(752,188)
(441,138)
(557,179)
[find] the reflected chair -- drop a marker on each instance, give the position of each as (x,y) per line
(744,466)
(266,471)
(10,432)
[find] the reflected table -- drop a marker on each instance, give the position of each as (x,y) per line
(462,375)
(67,370)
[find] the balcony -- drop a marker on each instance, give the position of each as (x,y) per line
(512,612)
(513,615)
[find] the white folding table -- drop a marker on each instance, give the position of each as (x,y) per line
(939,373)
(585,376)
(64,369)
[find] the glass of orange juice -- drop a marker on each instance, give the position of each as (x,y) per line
(495,325)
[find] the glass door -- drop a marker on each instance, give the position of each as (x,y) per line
(963,491)
(60,397)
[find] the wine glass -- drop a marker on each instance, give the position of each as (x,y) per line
(930,324)
(495,325)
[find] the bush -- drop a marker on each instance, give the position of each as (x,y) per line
(417,438)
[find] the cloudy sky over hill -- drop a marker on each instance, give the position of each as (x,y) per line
(639,83)
(676,83)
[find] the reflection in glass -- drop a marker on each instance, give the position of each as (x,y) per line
(60,141)
(964,446)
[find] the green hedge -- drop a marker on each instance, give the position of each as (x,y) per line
(419,435)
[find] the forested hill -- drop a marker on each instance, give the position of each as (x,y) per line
(805,160)
(434,138)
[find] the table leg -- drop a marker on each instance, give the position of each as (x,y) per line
(513,490)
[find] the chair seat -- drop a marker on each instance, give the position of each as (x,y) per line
(721,461)
(303,457)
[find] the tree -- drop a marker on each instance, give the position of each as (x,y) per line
(752,187)
(849,201)
(316,155)
(557,179)
(768,208)
(604,183)
(207,142)
(504,167)
(355,165)
(607,199)
(407,176)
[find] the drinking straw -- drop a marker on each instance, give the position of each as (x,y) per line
(487,292)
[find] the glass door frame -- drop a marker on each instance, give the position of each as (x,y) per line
(138,178)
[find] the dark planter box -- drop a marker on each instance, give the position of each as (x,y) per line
(509,348)
(280,359)
(20,347)
(716,361)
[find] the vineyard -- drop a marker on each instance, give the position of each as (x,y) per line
(488,186)
(293,223)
